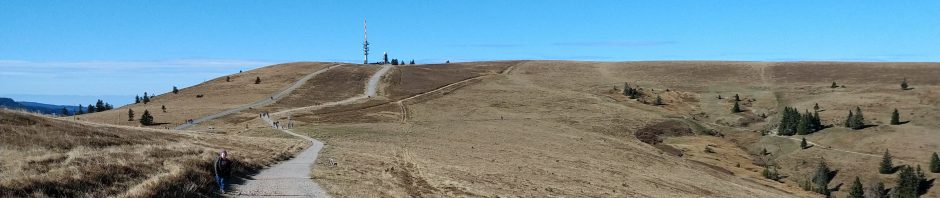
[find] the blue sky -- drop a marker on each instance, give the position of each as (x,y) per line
(65,52)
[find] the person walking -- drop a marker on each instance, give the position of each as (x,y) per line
(222,168)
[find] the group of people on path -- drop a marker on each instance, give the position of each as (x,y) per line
(275,124)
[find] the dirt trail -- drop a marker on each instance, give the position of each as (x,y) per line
(369,91)
(404,109)
(289,178)
(814,144)
(262,102)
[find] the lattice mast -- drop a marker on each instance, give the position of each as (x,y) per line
(365,42)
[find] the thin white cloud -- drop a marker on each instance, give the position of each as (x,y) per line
(615,43)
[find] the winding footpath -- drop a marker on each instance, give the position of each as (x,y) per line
(370,91)
(262,102)
(291,178)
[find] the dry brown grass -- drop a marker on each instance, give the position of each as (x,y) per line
(46,157)
(218,95)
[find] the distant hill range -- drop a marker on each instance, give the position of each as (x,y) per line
(9,103)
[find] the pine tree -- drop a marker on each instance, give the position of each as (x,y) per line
(80,110)
(803,126)
(163,107)
(130,114)
(934,163)
(146,119)
(803,144)
(659,100)
(65,112)
(878,190)
(907,184)
(146,98)
(904,84)
(91,108)
(412,61)
(817,122)
(887,167)
(816,107)
(895,118)
(99,107)
(257,80)
(856,189)
(833,85)
(737,98)
(770,172)
(136,99)
(228,79)
(735,108)
(859,120)
(848,120)
(175,91)
(821,179)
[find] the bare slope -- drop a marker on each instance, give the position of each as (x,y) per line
(217,95)
(42,156)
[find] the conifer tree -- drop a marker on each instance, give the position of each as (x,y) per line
(136,99)
(91,108)
(737,98)
(849,120)
(175,91)
(833,85)
(228,79)
(821,179)
(257,80)
(770,172)
(659,100)
(856,189)
(816,107)
(130,114)
(817,122)
(877,190)
(934,163)
(859,120)
(146,98)
(907,183)
(802,127)
(412,61)
(146,119)
(887,166)
(99,107)
(904,84)
(80,110)
(65,112)
(735,108)
(895,117)
(163,107)
(803,144)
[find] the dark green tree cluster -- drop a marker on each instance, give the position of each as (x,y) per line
(175,91)
(855,120)
(146,119)
(793,122)
(98,107)
(895,117)
(911,182)
(877,190)
(145,99)
(631,92)
(412,61)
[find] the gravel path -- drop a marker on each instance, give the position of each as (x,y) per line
(289,178)
(258,103)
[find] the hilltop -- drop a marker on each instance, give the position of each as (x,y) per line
(565,128)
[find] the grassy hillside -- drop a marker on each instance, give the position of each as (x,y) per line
(46,157)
